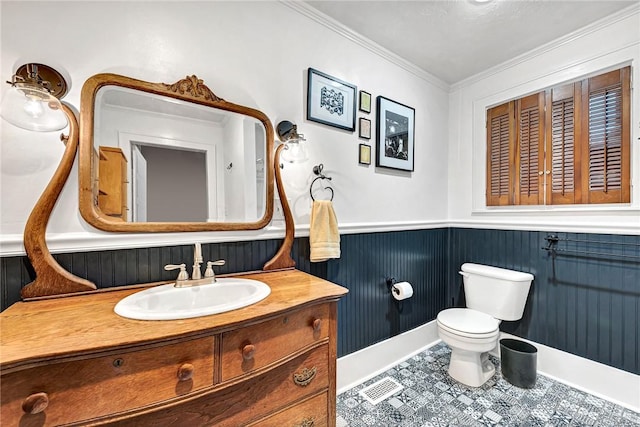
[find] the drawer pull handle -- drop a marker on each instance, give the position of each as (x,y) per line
(185,372)
(317,324)
(307,422)
(305,377)
(248,351)
(35,403)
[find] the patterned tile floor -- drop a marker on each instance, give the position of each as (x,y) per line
(431,398)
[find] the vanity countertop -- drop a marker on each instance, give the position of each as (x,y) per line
(86,323)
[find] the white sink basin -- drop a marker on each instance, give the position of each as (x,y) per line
(167,302)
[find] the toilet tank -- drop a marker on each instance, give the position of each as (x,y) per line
(499,292)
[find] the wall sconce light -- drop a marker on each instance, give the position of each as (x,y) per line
(33,101)
(292,149)
(295,143)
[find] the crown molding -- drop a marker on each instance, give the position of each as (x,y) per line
(330,23)
(548,47)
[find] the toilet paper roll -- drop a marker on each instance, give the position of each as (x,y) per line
(402,290)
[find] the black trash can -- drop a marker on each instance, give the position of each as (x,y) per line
(518,360)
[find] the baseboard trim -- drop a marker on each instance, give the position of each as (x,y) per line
(358,367)
(611,384)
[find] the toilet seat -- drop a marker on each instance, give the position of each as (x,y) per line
(468,323)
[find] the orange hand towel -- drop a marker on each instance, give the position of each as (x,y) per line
(323,232)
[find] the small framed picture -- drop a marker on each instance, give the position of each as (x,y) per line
(365,101)
(331,101)
(365,128)
(365,154)
(394,134)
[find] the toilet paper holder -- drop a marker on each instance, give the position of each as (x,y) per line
(400,292)
(390,282)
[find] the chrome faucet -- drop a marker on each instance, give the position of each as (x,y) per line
(183,281)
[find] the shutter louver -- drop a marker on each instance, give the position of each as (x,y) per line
(605,139)
(500,156)
(529,120)
(562,151)
(606,164)
(530,149)
(499,170)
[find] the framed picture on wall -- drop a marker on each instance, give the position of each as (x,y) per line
(365,101)
(394,134)
(331,101)
(364,128)
(364,157)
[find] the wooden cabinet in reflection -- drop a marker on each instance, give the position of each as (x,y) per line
(112,182)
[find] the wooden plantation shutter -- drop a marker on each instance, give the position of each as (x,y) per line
(500,154)
(606,175)
(567,145)
(529,164)
(562,151)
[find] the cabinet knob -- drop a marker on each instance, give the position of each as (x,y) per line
(317,324)
(35,403)
(248,351)
(185,372)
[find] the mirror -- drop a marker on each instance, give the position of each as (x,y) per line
(160,157)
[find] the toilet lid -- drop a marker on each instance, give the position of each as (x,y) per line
(468,321)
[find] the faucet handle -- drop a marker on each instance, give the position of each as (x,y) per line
(209,271)
(182,275)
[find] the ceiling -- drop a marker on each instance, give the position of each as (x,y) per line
(455,39)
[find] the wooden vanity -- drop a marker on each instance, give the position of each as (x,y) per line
(73,361)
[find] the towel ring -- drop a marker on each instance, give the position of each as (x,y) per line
(318,171)
(324,188)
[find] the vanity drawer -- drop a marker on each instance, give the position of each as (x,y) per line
(310,413)
(256,346)
(247,401)
(82,389)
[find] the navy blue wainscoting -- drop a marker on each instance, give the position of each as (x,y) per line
(585,300)
(122,267)
(368,314)
(131,266)
(584,304)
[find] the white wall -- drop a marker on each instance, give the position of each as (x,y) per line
(251,53)
(612,42)
(257,54)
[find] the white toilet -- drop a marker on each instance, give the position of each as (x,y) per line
(492,294)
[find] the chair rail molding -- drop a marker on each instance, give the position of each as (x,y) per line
(12,244)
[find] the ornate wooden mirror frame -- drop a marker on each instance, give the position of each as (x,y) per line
(191,90)
(51,278)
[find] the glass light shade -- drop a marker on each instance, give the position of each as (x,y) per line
(295,151)
(32,108)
